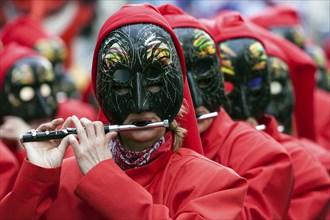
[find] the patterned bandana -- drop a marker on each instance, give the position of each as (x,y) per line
(127,159)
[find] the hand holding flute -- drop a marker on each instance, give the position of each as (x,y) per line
(91,136)
(59,134)
(48,154)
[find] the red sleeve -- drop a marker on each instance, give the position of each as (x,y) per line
(129,201)
(9,170)
(268,168)
(317,151)
(310,198)
(322,118)
(198,192)
(20,156)
(258,158)
(34,191)
(214,193)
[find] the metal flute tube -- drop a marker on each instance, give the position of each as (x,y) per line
(50,135)
(261,127)
(280,128)
(207,116)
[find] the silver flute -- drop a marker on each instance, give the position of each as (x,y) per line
(280,128)
(34,135)
(207,116)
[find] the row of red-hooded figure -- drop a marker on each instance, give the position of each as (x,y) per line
(270,175)
(315,122)
(225,141)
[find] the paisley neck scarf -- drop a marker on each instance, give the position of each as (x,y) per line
(127,159)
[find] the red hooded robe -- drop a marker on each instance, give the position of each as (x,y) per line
(9,170)
(307,95)
(310,196)
(254,156)
(181,185)
(8,57)
(272,43)
(304,194)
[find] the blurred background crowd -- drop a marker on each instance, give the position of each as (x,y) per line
(78,21)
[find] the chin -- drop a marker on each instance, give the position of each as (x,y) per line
(204,125)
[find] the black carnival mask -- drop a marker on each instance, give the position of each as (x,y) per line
(319,57)
(203,68)
(138,70)
(55,50)
(282,97)
(27,90)
(295,34)
(244,65)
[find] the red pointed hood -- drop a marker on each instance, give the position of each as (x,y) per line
(146,13)
(9,55)
(277,15)
(231,24)
(24,30)
(302,70)
(178,18)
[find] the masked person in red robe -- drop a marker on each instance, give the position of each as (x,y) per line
(54,49)
(29,32)
(138,75)
(233,144)
(245,64)
(284,64)
(27,94)
(285,21)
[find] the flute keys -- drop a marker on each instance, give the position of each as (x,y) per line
(33,132)
(65,131)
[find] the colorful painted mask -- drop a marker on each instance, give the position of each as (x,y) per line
(55,50)
(203,68)
(282,97)
(28,91)
(244,65)
(139,71)
(295,34)
(322,77)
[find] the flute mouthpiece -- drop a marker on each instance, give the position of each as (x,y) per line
(141,123)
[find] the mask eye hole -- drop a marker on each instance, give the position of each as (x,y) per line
(121,76)
(255,83)
(275,88)
(27,93)
(203,83)
(203,66)
(153,73)
(45,90)
(229,87)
